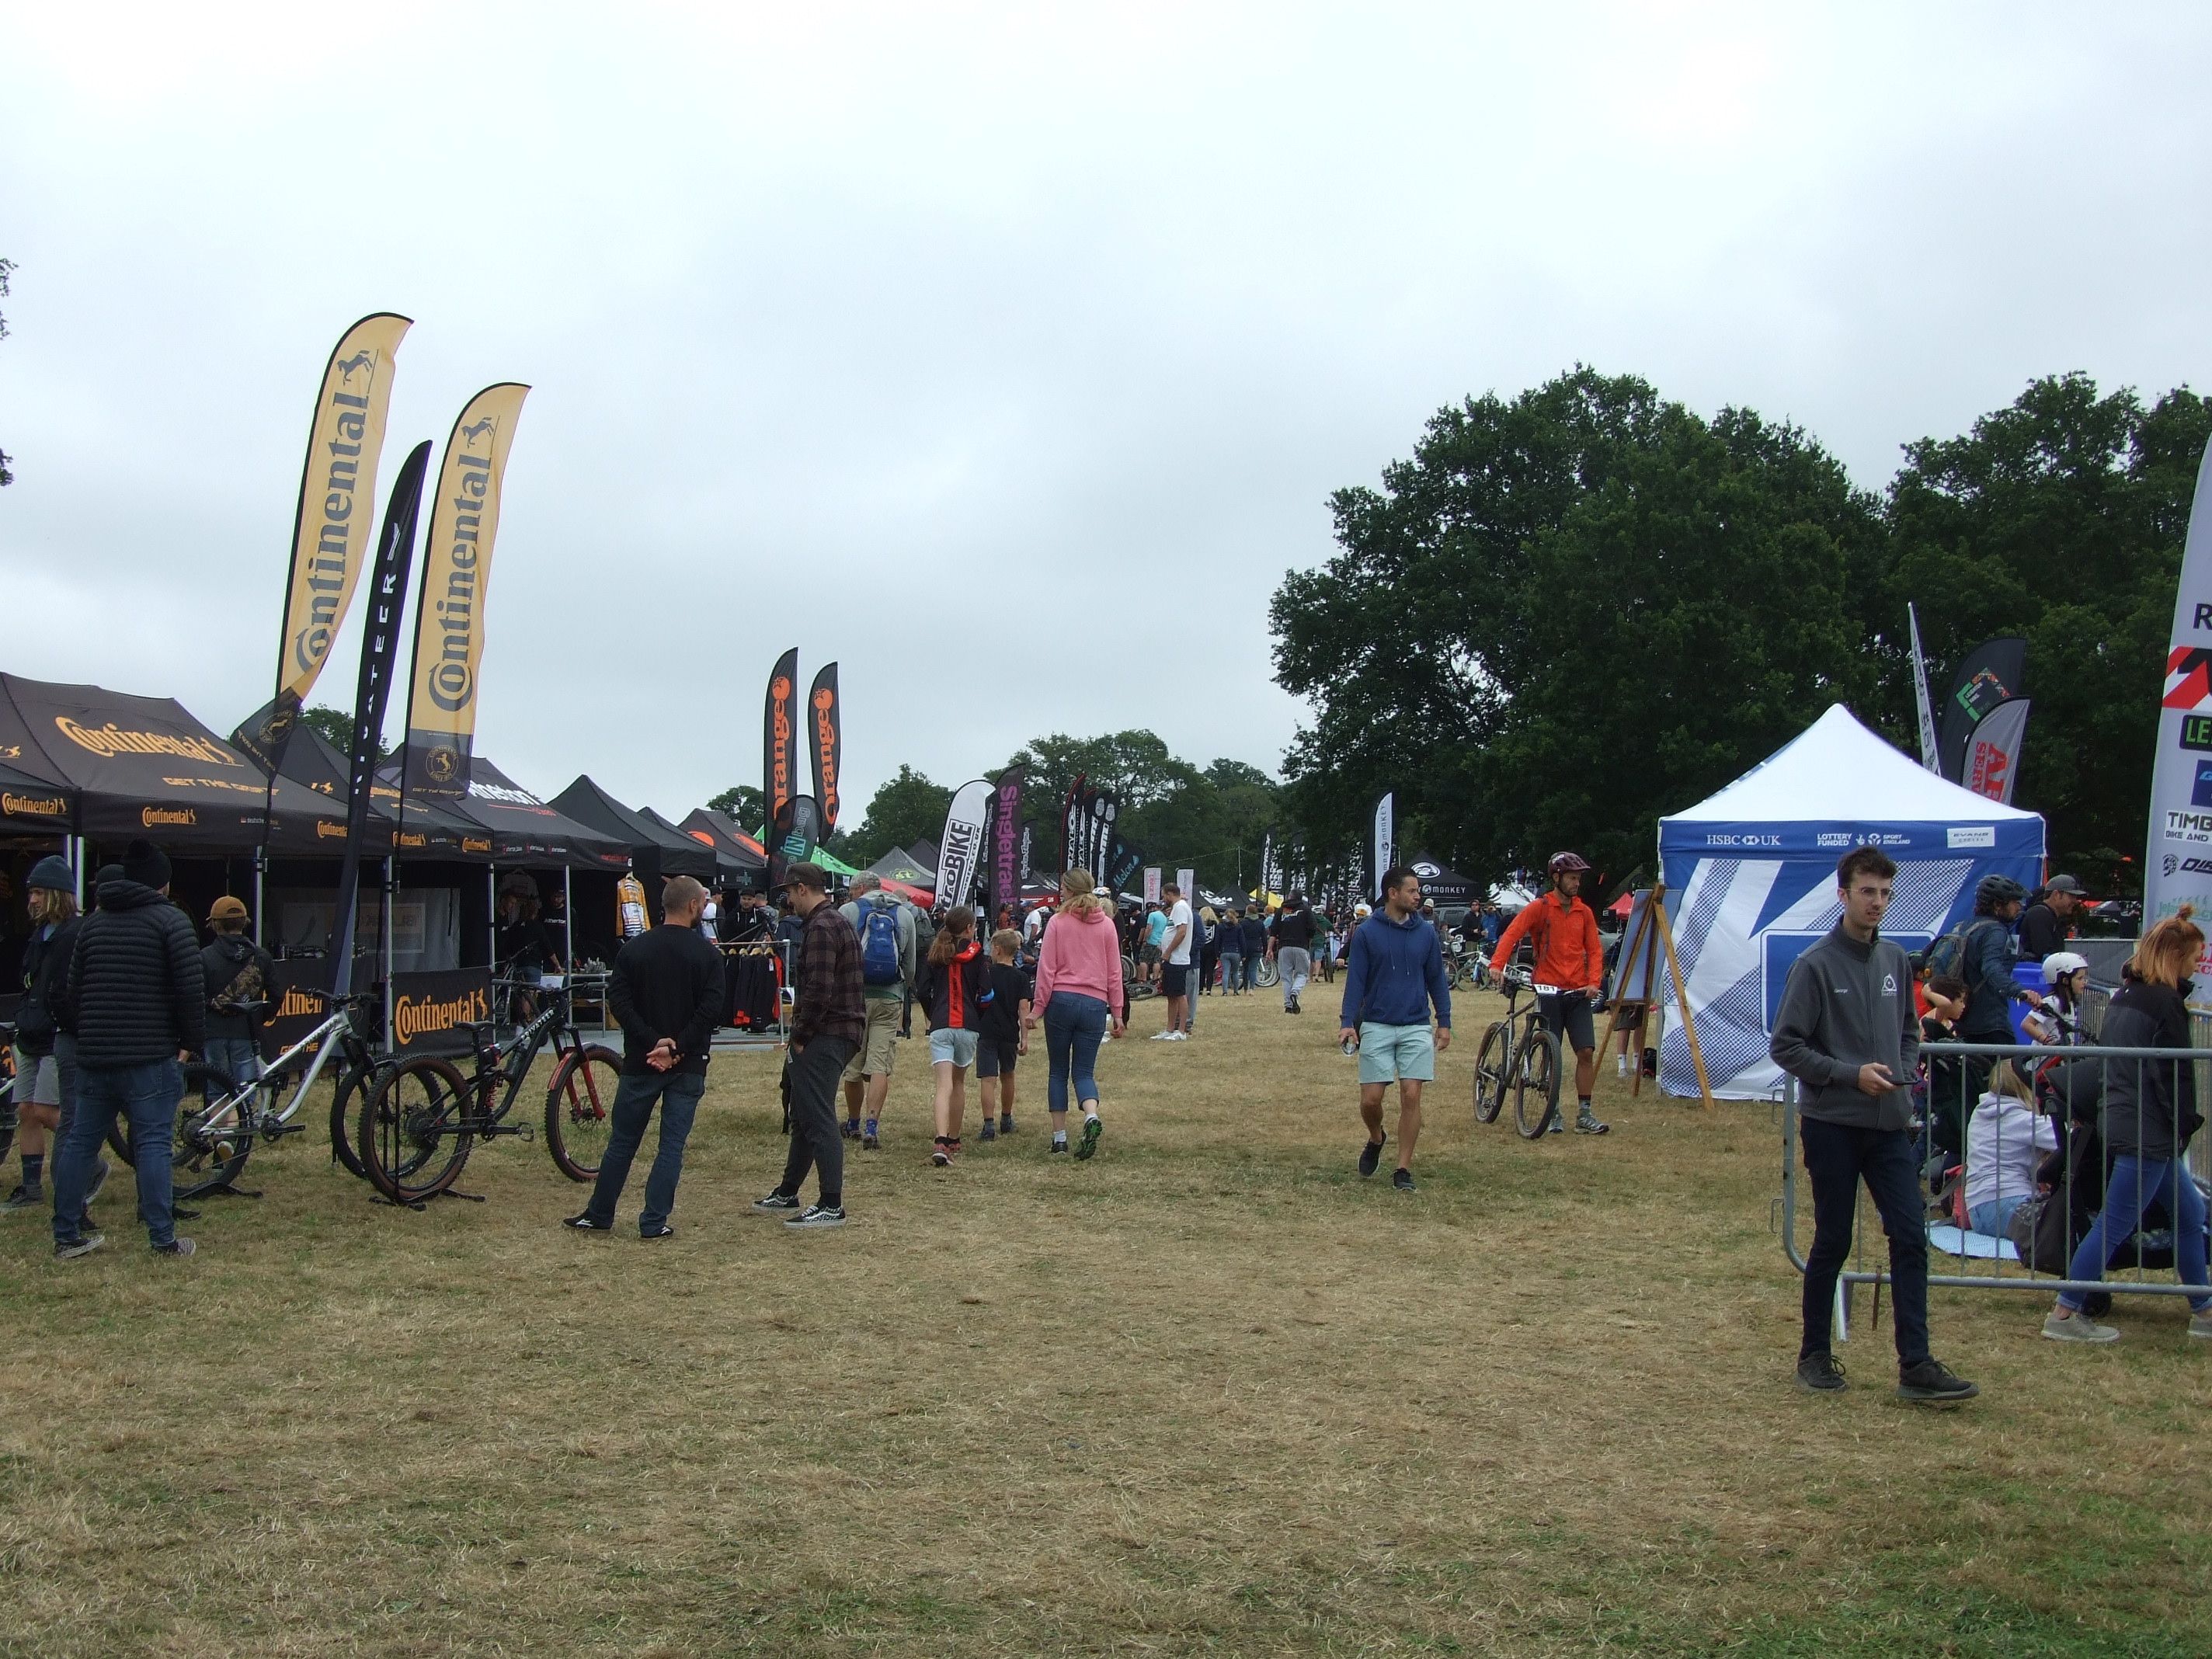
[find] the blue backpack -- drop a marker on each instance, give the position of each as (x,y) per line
(879,943)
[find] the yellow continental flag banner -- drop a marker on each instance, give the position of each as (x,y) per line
(441,698)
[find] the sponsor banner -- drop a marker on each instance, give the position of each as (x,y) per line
(793,836)
(1006,866)
(779,737)
(1994,670)
(1151,883)
(449,612)
(1930,753)
(1071,820)
(1186,881)
(1386,842)
(826,723)
(2180,828)
(1271,874)
(431,1012)
(32,803)
(960,857)
(333,523)
(379,659)
(1993,751)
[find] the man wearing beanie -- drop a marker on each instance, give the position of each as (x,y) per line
(136,1000)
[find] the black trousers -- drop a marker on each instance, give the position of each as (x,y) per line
(814,1141)
(1838,1156)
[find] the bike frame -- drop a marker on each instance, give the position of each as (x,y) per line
(519,1053)
(224,1113)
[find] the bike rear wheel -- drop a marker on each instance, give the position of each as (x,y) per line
(1536,1083)
(1268,975)
(1492,1075)
(414,1134)
(345,1105)
(202,1159)
(580,1110)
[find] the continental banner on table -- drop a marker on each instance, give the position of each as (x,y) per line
(431,1011)
(449,616)
(2177,869)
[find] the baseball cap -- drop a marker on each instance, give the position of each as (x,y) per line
(807,875)
(2063,884)
(227,909)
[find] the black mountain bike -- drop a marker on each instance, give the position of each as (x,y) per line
(1519,1056)
(417,1127)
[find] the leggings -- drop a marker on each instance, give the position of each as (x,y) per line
(1074,1027)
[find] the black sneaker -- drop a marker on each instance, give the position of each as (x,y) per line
(584,1223)
(1931,1382)
(1006,1123)
(990,1131)
(23,1198)
(667,1230)
(1059,1144)
(816,1215)
(1370,1158)
(776,1203)
(178,1246)
(1821,1373)
(69,1250)
(849,1128)
(1403,1181)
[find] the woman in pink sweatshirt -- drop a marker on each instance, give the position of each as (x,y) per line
(1078,995)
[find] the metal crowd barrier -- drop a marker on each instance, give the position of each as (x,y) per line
(2079,1165)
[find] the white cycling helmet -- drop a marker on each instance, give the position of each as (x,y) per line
(2059,963)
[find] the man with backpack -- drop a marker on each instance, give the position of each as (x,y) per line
(239,973)
(886,931)
(1979,952)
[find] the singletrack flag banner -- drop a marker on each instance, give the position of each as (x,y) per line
(1386,842)
(779,738)
(960,848)
(2177,869)
(379,663)
(1993,671)
(1993,750)
(449,614)
(333,526)
(1007,869)
(825,722)
(1071,826)
(1929,756)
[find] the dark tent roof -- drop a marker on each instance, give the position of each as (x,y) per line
(900,865)
(145,766)
(650,841)
(1442,883)
(928,855)
(520,828)
(31,804)
(738,853)
(312,760)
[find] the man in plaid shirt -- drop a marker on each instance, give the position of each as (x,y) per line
(828,1024)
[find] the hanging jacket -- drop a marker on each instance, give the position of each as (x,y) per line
(954,992)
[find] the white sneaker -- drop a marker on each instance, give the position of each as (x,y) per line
(1163,1036)
(1178,1036)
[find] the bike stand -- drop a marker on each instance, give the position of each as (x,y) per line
(419,1205)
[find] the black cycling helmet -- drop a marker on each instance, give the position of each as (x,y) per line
(1563,862)
(1994,890)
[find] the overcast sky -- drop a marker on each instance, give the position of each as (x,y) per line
(884,331)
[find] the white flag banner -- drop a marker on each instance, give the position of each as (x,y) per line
(1386,841)
(1929,752)
(2178,868)
(1993,750)
(961,844)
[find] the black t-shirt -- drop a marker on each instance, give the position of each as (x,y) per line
(2041,932)
(1294,930)
(1010,987)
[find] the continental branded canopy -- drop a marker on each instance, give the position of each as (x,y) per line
(33,807)
(441,702)
(109,740)
(333,529)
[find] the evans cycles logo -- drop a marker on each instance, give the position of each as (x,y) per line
(413,1017)
(110,740)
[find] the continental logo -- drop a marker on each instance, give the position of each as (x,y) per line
(110,740)
(180,817)
(413,1017)
(470,844)
(414,841)
(450,680)
(35,806)
(299,1004)
(325,830)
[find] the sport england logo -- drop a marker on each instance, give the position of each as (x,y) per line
(2201,795)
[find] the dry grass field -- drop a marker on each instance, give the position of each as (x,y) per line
(1209,1394)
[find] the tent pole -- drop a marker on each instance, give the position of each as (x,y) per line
(76,863)
(260,890)
(390,886)
(567,919)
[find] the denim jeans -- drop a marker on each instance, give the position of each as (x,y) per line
(1295,966)
(1232,972)
(1074,1026)
(1838,1156)
(677,1094)
(147,1096)
(2134,1186)
(1252,970)
(1994,1217)
(238,1060)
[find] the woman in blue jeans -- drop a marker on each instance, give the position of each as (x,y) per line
(1079,994)
(2150,1113)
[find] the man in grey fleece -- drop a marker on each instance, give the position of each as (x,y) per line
(1848,1032)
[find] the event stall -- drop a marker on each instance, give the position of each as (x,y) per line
(744,858)
(1751,881)
(1441,883)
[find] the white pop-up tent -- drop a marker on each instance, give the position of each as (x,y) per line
(1751,880)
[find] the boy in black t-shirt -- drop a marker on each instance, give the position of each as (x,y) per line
(1000,1032)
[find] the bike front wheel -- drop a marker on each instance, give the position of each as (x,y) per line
(1268,975)
(1494,1075)
(414,1134)
(345,1105)
(580,1110)
(1536,1083)
(203,1156)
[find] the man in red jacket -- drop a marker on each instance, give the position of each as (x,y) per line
(1570,973)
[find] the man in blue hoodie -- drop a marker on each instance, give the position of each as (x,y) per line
(1395,972)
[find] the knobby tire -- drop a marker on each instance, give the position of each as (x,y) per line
(580,1110)
(413,1136)
(1536,1083)
(199,1165)
(1492,1078)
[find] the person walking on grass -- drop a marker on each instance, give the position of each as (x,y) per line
(1294,932)
(666,992)
(239,974)
(1175,965)
(1847,1032)
(2150,1112)
(829,1022)
(136,1000)
(1231,937)
(1079,995)
(1005,1018)
(1570,975)
(1394,975)
(884,926)
(955,990)
(45,1055)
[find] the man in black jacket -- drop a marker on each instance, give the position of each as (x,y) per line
(1847,1031)
(136,1002)
(239,973)
(45,1056)
(666,991)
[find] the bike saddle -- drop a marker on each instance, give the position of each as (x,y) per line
(255,1011)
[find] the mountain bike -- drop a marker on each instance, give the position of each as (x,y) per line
(417,1129)
(219,1120)
(1519,1055)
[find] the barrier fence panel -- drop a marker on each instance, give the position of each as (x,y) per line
(2035,1173)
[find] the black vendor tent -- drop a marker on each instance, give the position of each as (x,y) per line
(655,848)
(311,759)
(1442,883)
(731,845)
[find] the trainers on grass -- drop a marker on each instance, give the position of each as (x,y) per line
(1931,1382)
(1402,1179)
(178,1246)
(818,1215)
(69,1250)
(1821,1373)
(2062,1325)
(1092,1128)
(775,1203)
(1370,1158)
(2200,1324)
(584,1223)
(23,1198)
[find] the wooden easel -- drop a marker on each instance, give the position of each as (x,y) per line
(1652,933)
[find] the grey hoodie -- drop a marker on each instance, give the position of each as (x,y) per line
(1846,1004)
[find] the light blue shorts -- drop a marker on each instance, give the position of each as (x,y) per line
(947,1044)
(1396,1053)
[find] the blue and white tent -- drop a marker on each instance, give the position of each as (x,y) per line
(1751,881)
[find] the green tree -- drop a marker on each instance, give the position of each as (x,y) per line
(745,805)
(1568,614)
(907,808)
(2060,519)
(7,268)
(335,726)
